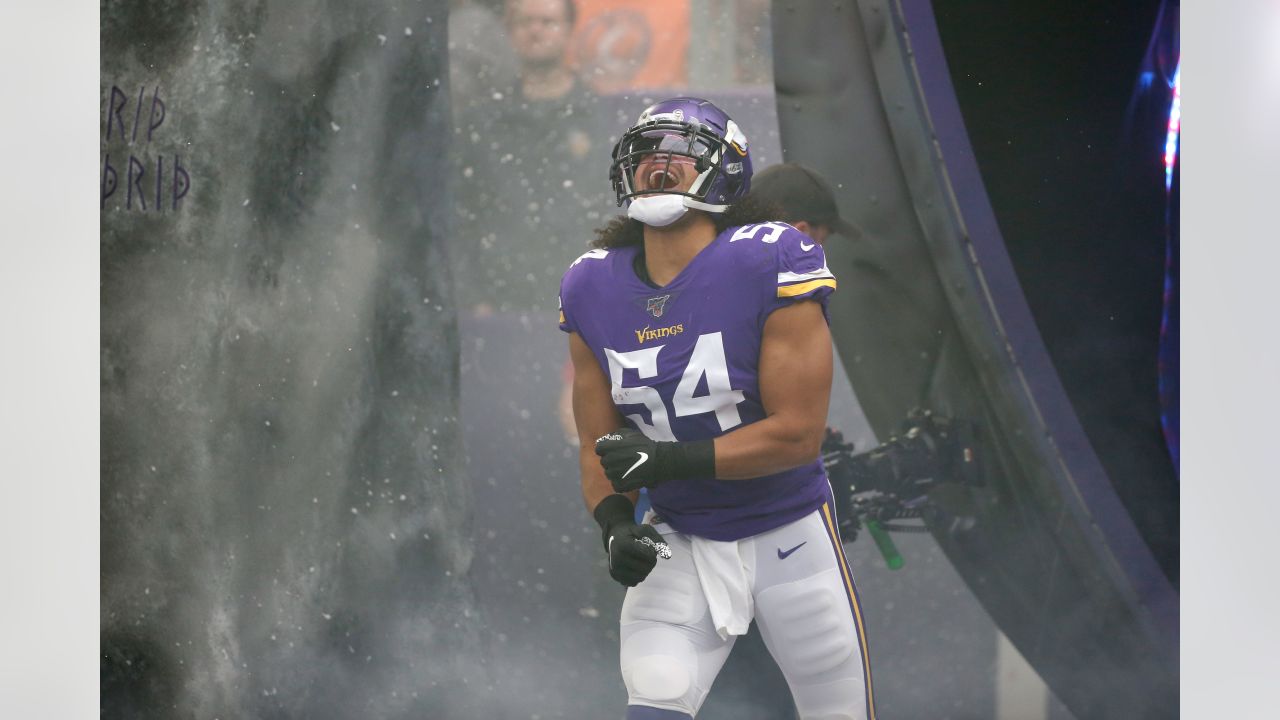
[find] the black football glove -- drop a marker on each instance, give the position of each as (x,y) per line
(632,461)
(633,549)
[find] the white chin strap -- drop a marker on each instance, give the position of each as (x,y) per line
(657,210)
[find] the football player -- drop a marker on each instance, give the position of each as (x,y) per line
(702,370)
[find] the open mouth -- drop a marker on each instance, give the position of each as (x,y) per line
(661,180)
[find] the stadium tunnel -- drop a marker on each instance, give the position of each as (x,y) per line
(930,314)
(287,518)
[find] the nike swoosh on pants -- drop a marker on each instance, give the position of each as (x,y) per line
(783,555)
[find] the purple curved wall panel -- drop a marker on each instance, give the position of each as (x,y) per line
(1101,508)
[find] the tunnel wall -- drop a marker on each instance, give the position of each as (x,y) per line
(930,314)
(284,518)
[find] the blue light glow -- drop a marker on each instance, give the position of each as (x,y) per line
(1175,125)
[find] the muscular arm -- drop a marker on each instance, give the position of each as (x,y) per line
(594,414)
(795,388)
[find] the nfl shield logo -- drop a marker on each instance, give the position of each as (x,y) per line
(654,305)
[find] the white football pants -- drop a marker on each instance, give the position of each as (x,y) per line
(804,602)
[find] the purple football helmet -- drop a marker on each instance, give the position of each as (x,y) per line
(692,128)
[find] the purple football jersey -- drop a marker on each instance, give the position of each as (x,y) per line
(683,361)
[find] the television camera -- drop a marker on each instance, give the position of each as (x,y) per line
(887,488)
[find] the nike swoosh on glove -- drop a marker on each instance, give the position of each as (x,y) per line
(632,461)
(630,558)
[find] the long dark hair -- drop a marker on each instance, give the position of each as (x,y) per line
(622,231)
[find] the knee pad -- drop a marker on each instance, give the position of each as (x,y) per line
(661,678)
(809,625)
(670,652)
(659,666)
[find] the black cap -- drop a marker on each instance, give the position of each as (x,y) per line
(802,194)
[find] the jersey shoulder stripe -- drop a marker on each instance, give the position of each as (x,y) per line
(788,276)
(804,287)
(801,268)
(792,283)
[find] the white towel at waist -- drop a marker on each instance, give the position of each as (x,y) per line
(725,585)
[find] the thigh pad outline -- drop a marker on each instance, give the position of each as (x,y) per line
(669,595)
(809,623)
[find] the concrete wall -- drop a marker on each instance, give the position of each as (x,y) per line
(284,515)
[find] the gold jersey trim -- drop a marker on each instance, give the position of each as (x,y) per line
(802,288)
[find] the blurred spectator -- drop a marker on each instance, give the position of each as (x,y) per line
(528,155)
(481,62)
(539,31)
